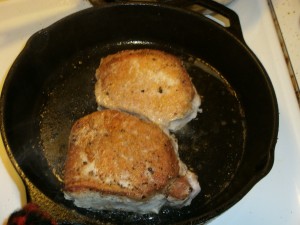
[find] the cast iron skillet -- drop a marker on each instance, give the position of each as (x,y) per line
(230,145)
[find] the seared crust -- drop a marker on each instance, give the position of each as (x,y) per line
(112,152)
(147,82)
(180,188)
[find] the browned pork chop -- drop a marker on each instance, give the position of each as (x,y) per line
(119,161)
(151,83)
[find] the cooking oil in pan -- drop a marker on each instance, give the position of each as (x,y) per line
(212,144)
(71,97)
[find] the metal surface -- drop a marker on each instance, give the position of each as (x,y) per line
(285,52)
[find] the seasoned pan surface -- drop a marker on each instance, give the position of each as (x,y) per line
(216,137)
(51,85)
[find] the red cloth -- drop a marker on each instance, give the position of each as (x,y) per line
(30,214)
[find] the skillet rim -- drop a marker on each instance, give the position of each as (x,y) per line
(271,151)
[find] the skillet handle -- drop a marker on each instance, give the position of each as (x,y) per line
(234,22)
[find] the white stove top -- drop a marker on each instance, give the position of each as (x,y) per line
(287,15)
(274,200)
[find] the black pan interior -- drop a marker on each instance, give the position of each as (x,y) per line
(216,137)
(51,84)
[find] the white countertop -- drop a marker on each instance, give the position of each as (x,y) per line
(274,200)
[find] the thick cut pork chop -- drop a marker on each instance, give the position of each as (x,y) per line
(119,161)
(151,83)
